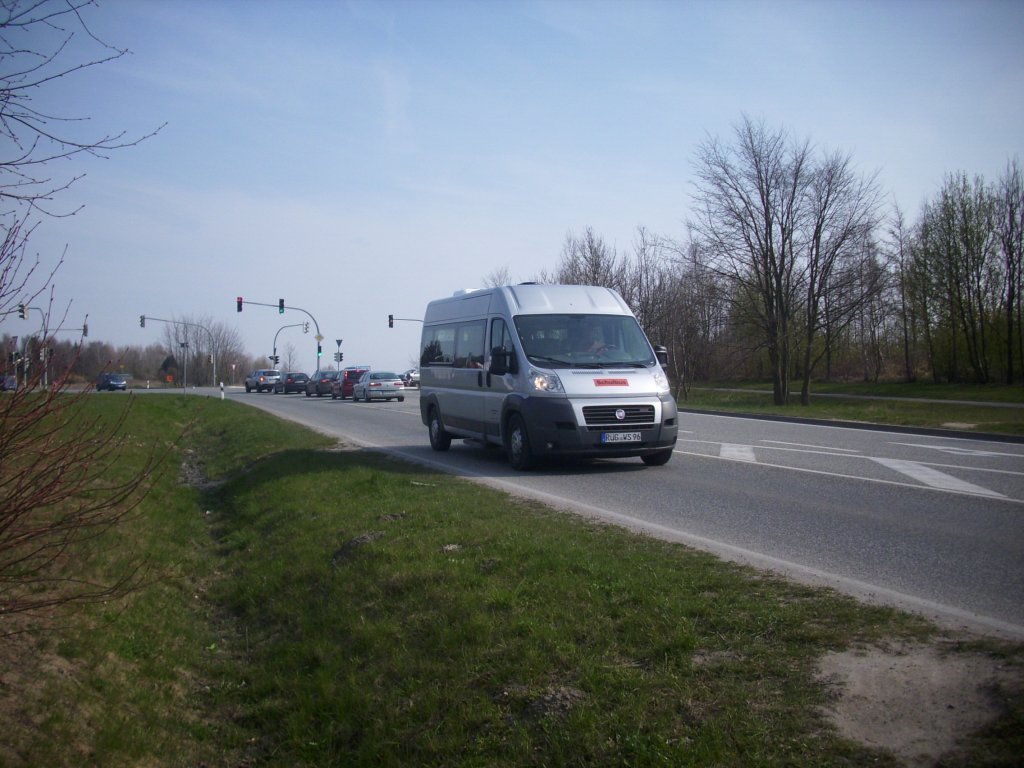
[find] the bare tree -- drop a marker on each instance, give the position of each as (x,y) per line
(39,44)
(588,260)
(56,494)
(1010,230)
(55,491)
(959,243)
(290,356)
(899,243)
(750,197)
(842,212)
(498,277)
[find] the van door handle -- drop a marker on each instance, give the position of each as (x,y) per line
(479,378)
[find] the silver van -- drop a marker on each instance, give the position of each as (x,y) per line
(545,370)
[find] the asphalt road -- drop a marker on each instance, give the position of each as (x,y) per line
(933,524)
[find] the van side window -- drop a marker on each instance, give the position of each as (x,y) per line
(469,345)
(438,346)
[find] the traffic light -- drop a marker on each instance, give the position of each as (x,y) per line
(305,327)
(239,303)
(341,356)
(280,306)
(85,330)
(142,321)
(391,321)
(22,311)
(319,351)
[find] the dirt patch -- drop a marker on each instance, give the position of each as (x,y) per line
(914,701)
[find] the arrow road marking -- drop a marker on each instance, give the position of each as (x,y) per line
(935,479)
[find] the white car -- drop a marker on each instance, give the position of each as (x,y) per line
(378,385)
(411,378)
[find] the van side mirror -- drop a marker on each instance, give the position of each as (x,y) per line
(661,354)
(502,361)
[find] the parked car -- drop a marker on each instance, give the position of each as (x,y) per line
(378,385)
(10,383)
(320,383)
(262,379)
(344,383)
(291,382)
(112,382)
(411,378)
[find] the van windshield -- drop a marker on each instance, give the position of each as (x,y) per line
(583,341)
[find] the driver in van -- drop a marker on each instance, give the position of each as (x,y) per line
(590,341)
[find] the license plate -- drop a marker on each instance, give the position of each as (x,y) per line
(620,437)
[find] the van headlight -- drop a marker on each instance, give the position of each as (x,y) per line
(661,381)
(545,381)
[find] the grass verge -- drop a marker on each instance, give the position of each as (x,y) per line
(957,407)
(324,607)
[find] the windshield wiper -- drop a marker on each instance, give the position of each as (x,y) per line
(558,360)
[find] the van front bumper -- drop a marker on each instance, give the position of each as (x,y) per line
(575,427)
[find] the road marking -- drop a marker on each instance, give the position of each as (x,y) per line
(737,452)
(861,478)
(959,451)
(935,479)
(828,448)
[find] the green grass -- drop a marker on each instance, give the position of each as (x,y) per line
(321,607)
(904,405)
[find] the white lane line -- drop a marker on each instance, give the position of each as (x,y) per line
(956,450)
(860,478)
(935,479)
(828,448)
(737,452)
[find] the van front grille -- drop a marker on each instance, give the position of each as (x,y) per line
(605,415)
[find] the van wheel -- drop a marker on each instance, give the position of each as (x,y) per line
(658,459)
(520,455)
(439,439)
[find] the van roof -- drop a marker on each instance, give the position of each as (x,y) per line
(528,299)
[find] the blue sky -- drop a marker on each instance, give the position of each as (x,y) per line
(360,159)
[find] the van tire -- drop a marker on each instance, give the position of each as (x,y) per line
(520,455)
(658,459)
(439,439)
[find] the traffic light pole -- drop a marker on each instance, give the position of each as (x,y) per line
(281,306)
(274,355)
(23,313)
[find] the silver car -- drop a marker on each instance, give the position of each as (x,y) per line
(378,385)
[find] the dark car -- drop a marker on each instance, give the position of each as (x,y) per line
(291,382)
(112,382)
(349,376)
(10,383)
(320,383)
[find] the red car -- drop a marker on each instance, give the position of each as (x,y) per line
(342,386)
